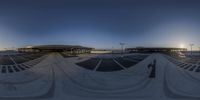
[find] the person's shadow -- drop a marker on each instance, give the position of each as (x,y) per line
(152,68)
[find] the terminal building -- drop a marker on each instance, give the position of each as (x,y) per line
(154,49)
(56,48)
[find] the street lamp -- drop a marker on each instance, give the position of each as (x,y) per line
(199,50)
(122,47)
(191,48)
(112,50)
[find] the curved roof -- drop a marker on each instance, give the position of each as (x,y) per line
(58,47)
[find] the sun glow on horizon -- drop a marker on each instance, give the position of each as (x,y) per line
(182,46)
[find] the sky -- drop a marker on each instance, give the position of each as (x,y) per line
(100,23)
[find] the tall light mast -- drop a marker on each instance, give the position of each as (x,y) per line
(191,45)
(122,47)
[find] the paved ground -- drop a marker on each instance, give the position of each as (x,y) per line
(75,83)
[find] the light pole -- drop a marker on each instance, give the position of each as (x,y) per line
(191,48)
(199,50)
(71,51)
(112,50)
(122,47)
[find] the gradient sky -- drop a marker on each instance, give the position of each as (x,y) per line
(100,23)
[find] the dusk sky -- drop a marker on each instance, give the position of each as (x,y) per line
(100,23)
